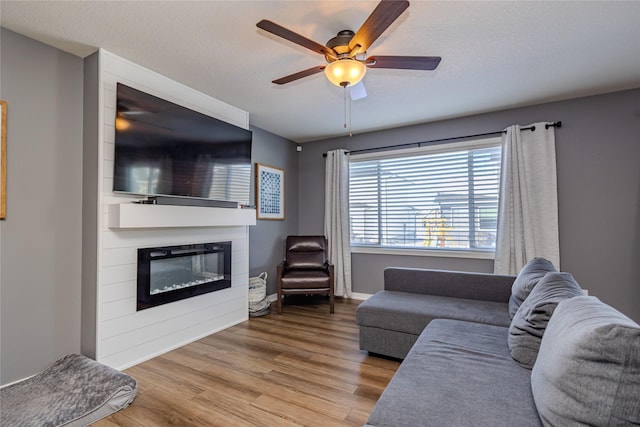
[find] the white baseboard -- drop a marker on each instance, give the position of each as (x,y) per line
(360,296)
(17,381)
(354,295)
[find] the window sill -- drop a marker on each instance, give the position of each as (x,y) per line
(423,252)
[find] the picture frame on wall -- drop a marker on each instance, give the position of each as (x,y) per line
(269,192)
(3,159)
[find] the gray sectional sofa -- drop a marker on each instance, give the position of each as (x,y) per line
(488,350)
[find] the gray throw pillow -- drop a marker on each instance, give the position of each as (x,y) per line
(531,319)
(588,367)
(526,281)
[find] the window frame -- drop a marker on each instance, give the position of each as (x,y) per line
(430,149)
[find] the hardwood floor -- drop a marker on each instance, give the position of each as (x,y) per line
(302,368)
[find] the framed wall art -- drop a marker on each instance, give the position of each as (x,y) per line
(3,159)
(269,192)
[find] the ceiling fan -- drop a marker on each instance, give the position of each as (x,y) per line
(346,53)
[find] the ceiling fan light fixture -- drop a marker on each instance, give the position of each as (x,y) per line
(345,72)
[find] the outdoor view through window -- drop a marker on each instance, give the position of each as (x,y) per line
(441,197)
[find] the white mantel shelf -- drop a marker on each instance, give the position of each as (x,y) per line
(135,216)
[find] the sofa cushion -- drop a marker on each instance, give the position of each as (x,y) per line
(526,280)
(444,283)
(410,313)
(588,366)
(531,318)
(458,374)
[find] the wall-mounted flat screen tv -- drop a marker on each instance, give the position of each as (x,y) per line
(165,149)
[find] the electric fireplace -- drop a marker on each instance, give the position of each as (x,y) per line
(173,273)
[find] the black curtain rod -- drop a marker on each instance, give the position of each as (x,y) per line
(454,138)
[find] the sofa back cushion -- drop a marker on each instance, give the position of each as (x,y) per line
(453,284)
(531,319)
(526,280)
(588,366)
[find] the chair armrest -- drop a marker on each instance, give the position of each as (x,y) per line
(456,284)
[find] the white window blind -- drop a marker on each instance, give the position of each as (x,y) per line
(443,197)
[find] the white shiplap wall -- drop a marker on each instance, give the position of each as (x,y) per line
(125,337)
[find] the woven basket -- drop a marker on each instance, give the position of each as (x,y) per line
(257,288)
(259,306)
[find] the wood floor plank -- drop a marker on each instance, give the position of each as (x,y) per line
(332,395)
(358,417)
(301,368)
(297,414)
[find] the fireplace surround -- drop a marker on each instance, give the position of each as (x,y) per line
(173,273)
(113,331)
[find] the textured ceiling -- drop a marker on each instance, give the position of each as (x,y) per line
(496,55)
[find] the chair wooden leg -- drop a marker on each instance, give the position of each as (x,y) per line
(331,300)
(279,289)
(279,304)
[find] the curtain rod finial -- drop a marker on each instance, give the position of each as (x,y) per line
(557,124)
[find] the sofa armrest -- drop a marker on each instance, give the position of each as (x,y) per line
(456,284)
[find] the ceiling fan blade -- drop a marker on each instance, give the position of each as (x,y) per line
(287,34)
(404,62)
(357,91)
(299,75)
(380,19)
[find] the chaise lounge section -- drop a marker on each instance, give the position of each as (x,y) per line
(391,320)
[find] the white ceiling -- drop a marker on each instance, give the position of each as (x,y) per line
(496,55)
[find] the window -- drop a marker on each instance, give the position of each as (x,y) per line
(441,197)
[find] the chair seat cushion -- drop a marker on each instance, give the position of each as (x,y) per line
(306,279)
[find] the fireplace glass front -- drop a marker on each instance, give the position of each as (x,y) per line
(173,273)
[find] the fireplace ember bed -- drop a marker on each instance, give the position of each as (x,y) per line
(173,273)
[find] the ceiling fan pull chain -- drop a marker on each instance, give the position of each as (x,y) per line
(349,101)
(345,105)
(347,109)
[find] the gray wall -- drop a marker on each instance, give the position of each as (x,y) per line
(266,238)
(41,236)
(90,156)
(598,153)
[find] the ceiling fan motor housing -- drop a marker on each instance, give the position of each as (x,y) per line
(340,45)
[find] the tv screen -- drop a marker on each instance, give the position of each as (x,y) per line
(164,149)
